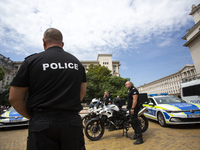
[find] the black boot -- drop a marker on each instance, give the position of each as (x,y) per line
(134,137)
(139,140)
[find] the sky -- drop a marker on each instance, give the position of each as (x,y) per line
(144,35)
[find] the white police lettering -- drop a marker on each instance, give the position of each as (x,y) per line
(60,66)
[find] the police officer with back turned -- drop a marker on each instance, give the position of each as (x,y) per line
(56,83)
(133,106)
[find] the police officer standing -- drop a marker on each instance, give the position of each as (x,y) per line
(107,98)
(56,83)
(133,106)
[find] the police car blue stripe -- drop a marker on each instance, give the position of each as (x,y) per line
(166,115)
(186,106)
(151,112)
(14,114)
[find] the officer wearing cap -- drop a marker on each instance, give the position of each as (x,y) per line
(56,83)
(133,107)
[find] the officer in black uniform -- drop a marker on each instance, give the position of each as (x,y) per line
(56,83)
(107,98)
(133,107)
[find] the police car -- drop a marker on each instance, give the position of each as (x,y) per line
(171,110)
(12,118)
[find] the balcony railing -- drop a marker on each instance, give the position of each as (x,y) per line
(191,78)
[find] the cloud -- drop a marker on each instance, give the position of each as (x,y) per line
(91,27)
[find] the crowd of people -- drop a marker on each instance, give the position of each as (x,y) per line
(2,108)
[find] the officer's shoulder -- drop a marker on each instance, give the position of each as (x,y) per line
(134,89)
(31,55)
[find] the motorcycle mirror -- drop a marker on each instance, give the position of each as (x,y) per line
(151,104)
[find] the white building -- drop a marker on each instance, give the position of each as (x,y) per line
(105,60)
(170,84)
(11,67)
(193,37)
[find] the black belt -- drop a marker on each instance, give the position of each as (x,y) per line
(53,111)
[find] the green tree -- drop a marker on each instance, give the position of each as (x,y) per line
(2,73)
(116,86)
(99,80)
(96,77)
(4,96)
(100,71)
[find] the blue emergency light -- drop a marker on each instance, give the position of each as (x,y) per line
(153,94)
(163,93)
(158,94)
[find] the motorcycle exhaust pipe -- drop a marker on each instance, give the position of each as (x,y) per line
(113,124)
(142,111)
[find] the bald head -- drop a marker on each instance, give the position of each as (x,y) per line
(52,37)
(128,84)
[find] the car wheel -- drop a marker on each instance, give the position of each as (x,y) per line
(161,119)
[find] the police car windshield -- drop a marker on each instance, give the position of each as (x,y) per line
(168,100)
(11,109)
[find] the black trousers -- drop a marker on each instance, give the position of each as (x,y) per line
(135,121)
(55,131)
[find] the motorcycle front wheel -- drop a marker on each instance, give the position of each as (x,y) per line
(85,120)
(94,130)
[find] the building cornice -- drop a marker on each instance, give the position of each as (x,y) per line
(194,38)
(194,8)
(88,61)
(189,31)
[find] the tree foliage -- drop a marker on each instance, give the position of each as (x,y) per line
(100,79)
(116,86)
(4,96)
(2,73)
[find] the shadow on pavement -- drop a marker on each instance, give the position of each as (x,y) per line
(14,128)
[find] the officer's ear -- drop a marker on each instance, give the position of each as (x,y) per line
(62,44)
(44,43)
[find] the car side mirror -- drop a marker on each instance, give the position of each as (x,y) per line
(151,104)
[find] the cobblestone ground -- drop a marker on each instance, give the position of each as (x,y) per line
(184,137)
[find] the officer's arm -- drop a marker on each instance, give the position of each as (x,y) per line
(83,90)
(17,100)
(135,97)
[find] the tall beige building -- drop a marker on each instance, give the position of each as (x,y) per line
(105,60)
(193,37)
(171,84)
(11,67)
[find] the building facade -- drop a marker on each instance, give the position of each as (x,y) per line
(105,60)
(193,37)
(170,84)
(11,67)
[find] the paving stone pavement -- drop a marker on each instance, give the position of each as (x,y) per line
(179,137)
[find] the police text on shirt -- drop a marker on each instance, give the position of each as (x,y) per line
(59,66)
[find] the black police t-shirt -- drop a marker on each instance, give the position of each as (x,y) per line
(54,78)
(132,91)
